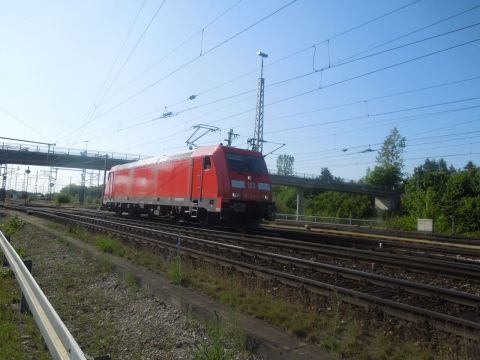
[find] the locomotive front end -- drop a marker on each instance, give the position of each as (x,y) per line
(249,191)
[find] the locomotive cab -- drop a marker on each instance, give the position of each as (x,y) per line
(248,193)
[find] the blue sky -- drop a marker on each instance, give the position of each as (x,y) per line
(56,55)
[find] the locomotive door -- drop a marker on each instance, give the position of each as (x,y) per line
(197,179)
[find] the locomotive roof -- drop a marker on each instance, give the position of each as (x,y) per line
(200,151)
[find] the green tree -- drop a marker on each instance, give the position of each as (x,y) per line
(285,164)
(389,168)
(450,196)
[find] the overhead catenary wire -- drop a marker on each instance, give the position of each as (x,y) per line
(297,52)
(24,123)
(139,40)
(175,49)
(109,73)
(353,154)
(396,120)
(189,62)
(244,30)
(95,107)
(314,45)
(375,114)
(328,85)
(329,67)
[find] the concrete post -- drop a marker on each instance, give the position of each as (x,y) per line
(299,203)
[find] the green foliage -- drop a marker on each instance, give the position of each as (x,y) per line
(213,348)
(285,164)
(6,273)
(451,197)
(388,171)
(285,199)
(176,273)
(12,226)
(63,198)
(109,245)
(328,204)
(93,194)
(16,329)
(337,204)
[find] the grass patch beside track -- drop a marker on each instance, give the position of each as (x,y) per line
(19,336)
(348,332)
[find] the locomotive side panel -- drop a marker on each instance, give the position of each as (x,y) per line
(143,182)
(121,183)
(173,182)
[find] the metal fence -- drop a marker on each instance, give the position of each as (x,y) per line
(329,220)
(60,342)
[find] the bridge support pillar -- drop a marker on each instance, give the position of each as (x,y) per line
(300,199)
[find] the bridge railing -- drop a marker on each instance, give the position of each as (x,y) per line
(69,151)
(335,181)
(312,176)
(329,220)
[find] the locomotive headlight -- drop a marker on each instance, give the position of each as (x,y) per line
(265,197)
(236,195)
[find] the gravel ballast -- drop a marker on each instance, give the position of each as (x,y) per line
(105,312)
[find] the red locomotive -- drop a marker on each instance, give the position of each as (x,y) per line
(210,184)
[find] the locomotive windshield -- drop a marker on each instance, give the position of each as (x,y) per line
(246,163)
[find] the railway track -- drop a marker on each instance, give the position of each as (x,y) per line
(454,265)
(446,309)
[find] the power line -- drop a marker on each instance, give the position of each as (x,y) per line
(316,89)
(282,82)
(342,62)
(12,115)
(413,32)
(297,52)
(133,50)
(92,110)
(189,62)
(374,71)
(120,50)
(339,156)
(117,74)
(246,29)
(183,43)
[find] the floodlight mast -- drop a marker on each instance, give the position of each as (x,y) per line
(257,141)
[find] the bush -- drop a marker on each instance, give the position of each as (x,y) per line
(63,198)
(109,245)
(13,225)
(407,223)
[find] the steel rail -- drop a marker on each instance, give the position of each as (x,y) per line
(299,225)
(409,286)
(59,340)
(413,287)
(294,236)
(459,269)
(443,266)
(460,326)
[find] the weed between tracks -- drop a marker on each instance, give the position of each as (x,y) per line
(346,331)
(175,272)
